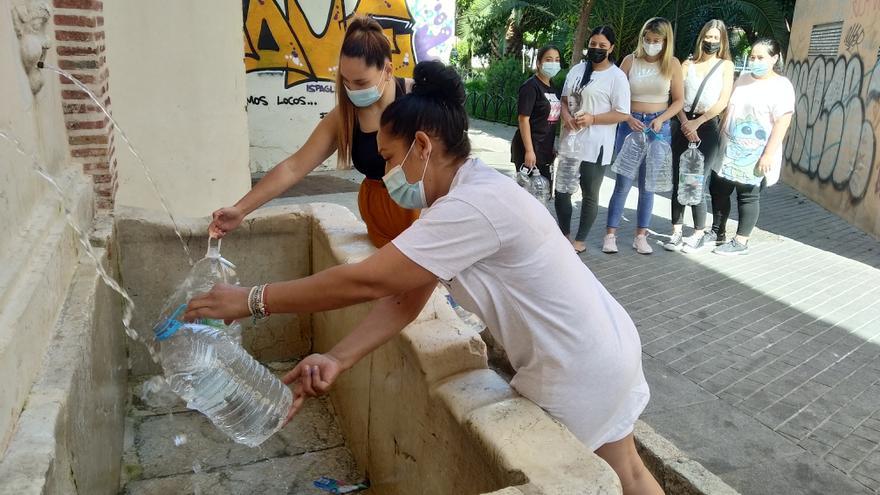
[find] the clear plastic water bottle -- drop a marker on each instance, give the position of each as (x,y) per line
(631,154)
(218,378)
(658,166)
(522,177)
(537,185)
(471,320)
(690,176)
(570,147)
(568,175)
(206,272)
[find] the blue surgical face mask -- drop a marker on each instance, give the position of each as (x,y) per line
(550,69)
(365,97)
(409,196)
(760,68)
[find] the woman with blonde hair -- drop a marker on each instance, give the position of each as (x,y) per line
(708,81)
(365,86)
(657,93)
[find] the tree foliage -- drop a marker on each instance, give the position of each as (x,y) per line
(501,28)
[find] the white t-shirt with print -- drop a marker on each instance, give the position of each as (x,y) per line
(575,350)
(608,90)
(755,105)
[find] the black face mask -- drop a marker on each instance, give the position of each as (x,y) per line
(711,47)
(596,55)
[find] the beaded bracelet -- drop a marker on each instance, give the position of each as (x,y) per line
(256,302)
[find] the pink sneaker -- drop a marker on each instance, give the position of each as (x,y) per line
(609,244)
(640,244)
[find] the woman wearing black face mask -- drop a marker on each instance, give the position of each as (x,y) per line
(595,98)
(712,70)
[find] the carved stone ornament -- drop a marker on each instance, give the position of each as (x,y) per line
(31,20)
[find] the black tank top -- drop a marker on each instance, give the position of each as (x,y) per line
(365,155)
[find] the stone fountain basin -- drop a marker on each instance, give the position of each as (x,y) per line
(423,414)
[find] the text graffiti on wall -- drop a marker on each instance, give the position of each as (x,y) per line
(279,39)
(832,136)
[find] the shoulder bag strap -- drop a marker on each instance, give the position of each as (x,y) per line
(703,85)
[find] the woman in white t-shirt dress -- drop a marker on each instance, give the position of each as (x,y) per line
(757,119)
(575,350)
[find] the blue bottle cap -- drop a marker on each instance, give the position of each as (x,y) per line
(169,326)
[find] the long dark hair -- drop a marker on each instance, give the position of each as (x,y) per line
(612,38)
(435,106)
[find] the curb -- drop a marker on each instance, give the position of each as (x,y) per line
(675,472)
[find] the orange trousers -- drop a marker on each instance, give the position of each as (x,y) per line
(384,218)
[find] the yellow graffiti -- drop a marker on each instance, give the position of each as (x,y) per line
(275,41)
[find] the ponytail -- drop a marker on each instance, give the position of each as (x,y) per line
(366,40)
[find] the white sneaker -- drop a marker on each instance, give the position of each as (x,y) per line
(675,243)
(609,244)
(640,244)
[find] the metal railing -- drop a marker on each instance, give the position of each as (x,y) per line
(491,107)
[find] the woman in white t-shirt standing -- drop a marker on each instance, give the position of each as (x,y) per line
(595,98)
(657,93)
(757,119)
(497,249)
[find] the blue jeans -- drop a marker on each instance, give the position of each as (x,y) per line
(623,184)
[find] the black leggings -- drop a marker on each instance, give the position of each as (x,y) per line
(710,142)
(592,175)
(747,200)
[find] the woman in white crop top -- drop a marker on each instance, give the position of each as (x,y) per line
(655,83)
(712,69)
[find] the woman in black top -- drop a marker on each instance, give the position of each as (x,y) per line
(365,86)
(539,108)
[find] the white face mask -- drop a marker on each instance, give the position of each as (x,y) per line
(406,194)
(653,49)
(366,97)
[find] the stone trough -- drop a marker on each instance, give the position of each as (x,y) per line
(423,414)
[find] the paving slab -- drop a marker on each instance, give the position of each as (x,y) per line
(721,437)
(803,474)
(170,449)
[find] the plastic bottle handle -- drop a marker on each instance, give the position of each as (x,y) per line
(695,144)
(213,252)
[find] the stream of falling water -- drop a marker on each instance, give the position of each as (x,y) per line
(83,238)
(179,439)
(134,152)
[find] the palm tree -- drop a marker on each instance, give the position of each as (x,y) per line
(509,20)
(688,16)
(505,21)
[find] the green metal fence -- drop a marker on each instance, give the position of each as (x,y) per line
(491,107)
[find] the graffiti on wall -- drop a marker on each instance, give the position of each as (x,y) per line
(832,137)
(285,39)
(434,21)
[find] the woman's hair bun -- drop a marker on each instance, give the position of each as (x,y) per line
(364,23)
(437,81)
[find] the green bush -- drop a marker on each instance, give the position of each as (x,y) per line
(505,76)
(476,82)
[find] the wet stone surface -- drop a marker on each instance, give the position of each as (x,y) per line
(175,450)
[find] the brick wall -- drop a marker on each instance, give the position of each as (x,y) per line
(79,43)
